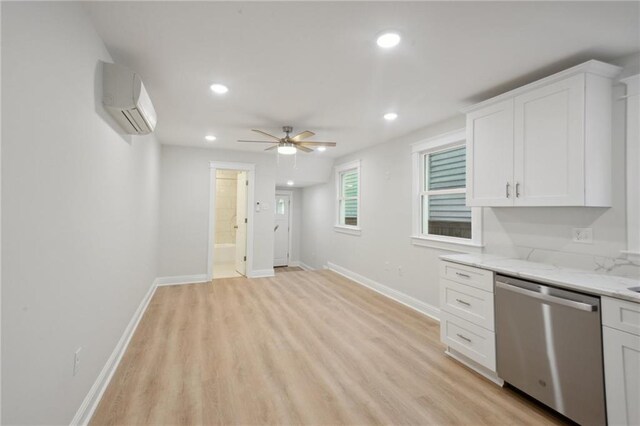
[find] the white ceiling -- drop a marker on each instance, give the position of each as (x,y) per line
(315,65)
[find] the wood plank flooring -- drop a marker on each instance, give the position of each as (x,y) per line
(300,348)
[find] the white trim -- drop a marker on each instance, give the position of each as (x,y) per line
(91,401)
(632,155)
(250,169)
(350,230)
(290,249)
(261,273)
(338,170)
(411,302)
(448,244)
(182,279)
(301,265)
(419,149)
(591,67)
(355,164)
(440,142)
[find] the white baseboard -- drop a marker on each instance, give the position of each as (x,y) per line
(261,273)
(301,264)
(413,303)
(91,401)
(182,279)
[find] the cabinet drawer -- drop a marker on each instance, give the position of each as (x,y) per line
(467,302)
(621,315)
(469,339)
(475,277)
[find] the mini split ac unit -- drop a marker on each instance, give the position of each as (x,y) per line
(126,99)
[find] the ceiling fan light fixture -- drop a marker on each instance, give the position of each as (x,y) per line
(287,149)
(388,39)
(390,116)
(210,138)
(322,148)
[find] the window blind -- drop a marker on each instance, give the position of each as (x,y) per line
(350,193)
(447,169)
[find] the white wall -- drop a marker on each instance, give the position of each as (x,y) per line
(79,213)
(384,253)
(184,208)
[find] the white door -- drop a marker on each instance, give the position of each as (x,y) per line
(241,223)
(281,230)
(548,144)
(490,155)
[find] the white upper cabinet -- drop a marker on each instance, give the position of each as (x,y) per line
(544,144)
(490,156)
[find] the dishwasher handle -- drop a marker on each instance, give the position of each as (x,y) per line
(548,298)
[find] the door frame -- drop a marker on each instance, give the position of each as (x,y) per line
(290,194)
(243,167)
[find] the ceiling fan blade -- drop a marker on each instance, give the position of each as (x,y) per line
(303,149)
(271,147)
(317,143)
(240,140)
(302,135)
(266,134)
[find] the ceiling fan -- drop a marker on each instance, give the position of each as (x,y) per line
(290,145)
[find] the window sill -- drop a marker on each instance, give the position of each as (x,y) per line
(449,244)
(350,230)
(630,254)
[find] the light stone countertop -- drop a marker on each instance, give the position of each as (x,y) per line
(572,279)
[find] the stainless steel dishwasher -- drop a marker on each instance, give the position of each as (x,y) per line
(549,345)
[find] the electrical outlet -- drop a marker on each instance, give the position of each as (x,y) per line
(583,235)
(76,361)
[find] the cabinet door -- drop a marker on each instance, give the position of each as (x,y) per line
(549,145)
(490,155)
(622,376)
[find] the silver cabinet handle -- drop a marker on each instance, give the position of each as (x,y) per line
(462,275)
(507,189)
(463,302)
(463,337)
(548,298)
(517,189)
(276,228)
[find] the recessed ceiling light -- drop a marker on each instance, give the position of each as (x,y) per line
(322,148)
(388,40)
(290,182)
(210,138)
(218,88)
(390,116)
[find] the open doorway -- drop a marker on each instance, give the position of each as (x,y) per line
(230,223)
(282,229)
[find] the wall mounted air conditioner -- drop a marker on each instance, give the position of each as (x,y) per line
(126,99)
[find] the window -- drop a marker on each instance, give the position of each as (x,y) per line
(443,194)
(440,211)
(348,197)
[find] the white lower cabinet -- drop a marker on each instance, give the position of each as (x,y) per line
(621,350)
(467,318)
(472,341)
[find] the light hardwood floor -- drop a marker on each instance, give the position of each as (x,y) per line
(300,348)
